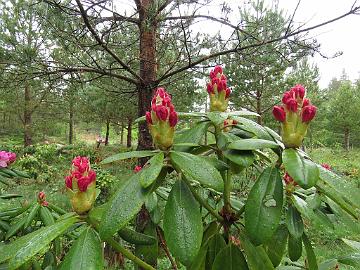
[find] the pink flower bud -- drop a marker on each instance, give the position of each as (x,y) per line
(227,93)
(308,113)
(212,74)
(161,112)
(306,102)
(41,196)
(215,80)
(148,118)
(279,113)
(299,91)
(137,169)
(68,181)
(6,158)
(223,77)
(291,105)
(160,92)
(221,85)
(210,88)
(173,119)
(326,166)
(218,69)
(289,180)
(287,95)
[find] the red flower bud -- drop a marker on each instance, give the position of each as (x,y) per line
(68,181)
(287,95)
(326,166)
(216,81)
(41,196)
(291,105)
(306,102)
(218,69)
(227,93)
(223,77)
(279,113)
(173,119)
(299,91)
(137,168)
(148,118)
(212,74)
(160,92)
(210,88)
(288,180)
(308,113)
(221,85)
(161,112)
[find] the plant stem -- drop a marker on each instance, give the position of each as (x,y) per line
(227,190)
(129,254)
(201,201)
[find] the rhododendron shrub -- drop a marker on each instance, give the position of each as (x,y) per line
(207,221)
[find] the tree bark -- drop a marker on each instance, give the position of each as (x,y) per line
(122,133)
(147,29)
(107,131)
(258,107)
(71,121)
(129,135)
(347,139)
(27,116)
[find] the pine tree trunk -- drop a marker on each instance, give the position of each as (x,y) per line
(107,132)
(122,133)
(71,122)
(347,139)
(27,117)
(258,107)
(129,135)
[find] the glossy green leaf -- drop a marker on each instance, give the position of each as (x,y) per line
(216,243)
(46,216)
(243,112)
(276,247)
(294,248)
(148,251)
(302,170)
(294,222)
(15,227)
(253,127)
(5,180)
(33,212)
(126,155)
(135,237)
(252,144)
(4,226)
(196,168)
(241,158)
(182,223)
(256,257)
(23,251)
(217,118)
(311,258)
(86,253)
(151,170)
(328,264)
(193,134)
(353,244)
(230,258)
(218,164)
(123,206)
(264,205)
(352,260)
(9,196)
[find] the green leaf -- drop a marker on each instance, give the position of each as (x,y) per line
(33,212)
(17,226)
(302,170)
(328,264)
(151,170)
(123,206)
(294,248)
(275,248)
(354,244)
(216,243)
(257,258)
(182,223)
(241,158)
(135,237)
(253,127)
(10,196)
(193,134)
(264,205)
(86,252)
(126,155)
(294,222)
(24,248)
(252,144)
(311,258)
(230,257)
(217,118)
(352,260)
(243,112)
(197,169)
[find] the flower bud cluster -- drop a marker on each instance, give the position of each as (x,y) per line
(218,91)
(6,158)
(81,185)
(228,123)
(42,199)
(295,115)
(162,119)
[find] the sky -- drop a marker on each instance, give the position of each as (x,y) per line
(343,35)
